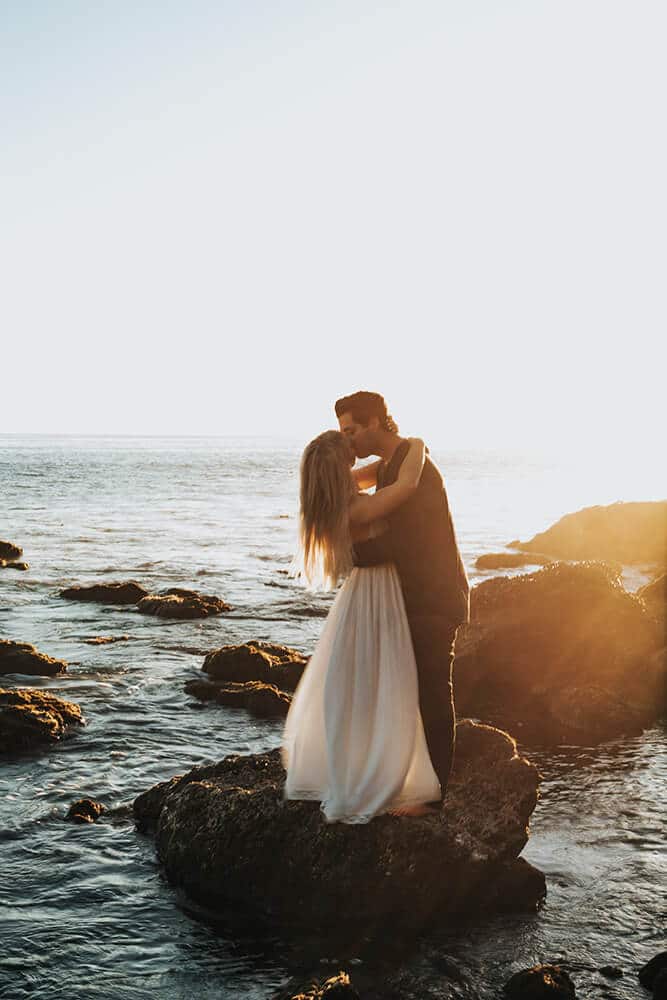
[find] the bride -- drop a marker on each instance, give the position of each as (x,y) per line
(353,738)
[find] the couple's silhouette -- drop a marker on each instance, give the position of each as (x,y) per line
(371,727)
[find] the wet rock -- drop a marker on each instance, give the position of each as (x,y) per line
(128,592)
(627,533)
(507,560)
(30,718)
(10,551)
(104,640)
(177,602)
(4,564)
(22,658)
(649,972)
(654,596)
(261,699)
(542,982)
(333,988)
(611,971)
(660,986)
(226,835)
(257,661)
(85,811)
(563,655)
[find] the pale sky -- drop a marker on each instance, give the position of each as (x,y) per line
(217,217)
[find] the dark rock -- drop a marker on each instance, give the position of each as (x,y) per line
(104,640)
(226,835)
(660,986)
(257,661)
(128,592)
(627,533)
(506,560)
(542,982)
(85,811)
(4,564)
(22,658)
(649,972)
(563,655)
(611,971)
(654,596)
(31,718)
(10,551)
(180,603)
(261,699)
(333,988)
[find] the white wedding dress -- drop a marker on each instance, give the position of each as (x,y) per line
(354,737)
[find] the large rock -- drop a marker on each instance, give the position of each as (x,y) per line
(268,662)
(128,592)
(226,835)
(509,560)
(264,700)
(5,564)
(561,655)
(22,658)
(654,596)
(10,551)
(177,602)
(31,718)
(627,533)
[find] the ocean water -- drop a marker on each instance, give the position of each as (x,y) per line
(85,911)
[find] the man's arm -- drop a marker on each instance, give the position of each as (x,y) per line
(374,551)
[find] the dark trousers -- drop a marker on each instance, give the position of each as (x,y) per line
(433,642)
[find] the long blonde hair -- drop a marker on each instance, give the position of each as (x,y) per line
(326,490)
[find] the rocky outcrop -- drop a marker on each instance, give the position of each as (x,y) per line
(177,602)
(542,982)
(226,835)
(626,533)
(5,564)
(85,811)
(563,655)
(264,700)
(268,662)
(128,592)
(31,718)
(654,596)
(10,551)
(508,560)
(22,658)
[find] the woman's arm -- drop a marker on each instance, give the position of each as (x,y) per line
(367,475)
(369,508)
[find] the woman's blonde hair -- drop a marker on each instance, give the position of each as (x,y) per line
(326,490)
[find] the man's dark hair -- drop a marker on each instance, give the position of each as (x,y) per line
(363,406)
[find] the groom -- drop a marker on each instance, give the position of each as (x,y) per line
(421,542)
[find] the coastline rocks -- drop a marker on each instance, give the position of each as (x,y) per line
(128,592)
(4,564)
(542,982)
(226,835)
(264,700)
(508,560)
(10,551)
(336,987)
(85,811)
(177,602)
(654,596)
(562,655)
(31,718)
(105,640)
(649,973)
(627,533)
(268,662)
(22,658)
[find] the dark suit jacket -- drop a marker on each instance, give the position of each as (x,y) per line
(421,542)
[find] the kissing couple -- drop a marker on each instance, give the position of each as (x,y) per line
(371,726)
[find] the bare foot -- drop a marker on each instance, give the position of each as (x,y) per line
(422,810)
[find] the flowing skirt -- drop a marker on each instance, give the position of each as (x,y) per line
(354,737)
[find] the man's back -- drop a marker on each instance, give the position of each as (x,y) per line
(421,542)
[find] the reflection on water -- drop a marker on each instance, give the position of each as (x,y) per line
(85,910)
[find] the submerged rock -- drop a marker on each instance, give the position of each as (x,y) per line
(5,564)
(85,811)
(177,602)
(22,658)
(542,982)
(128,592)
(226,835)
(507,560)
(105,640)
(261,699)
(10,551)
(628,533)
(268,662)
(563,655)
(31,718)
